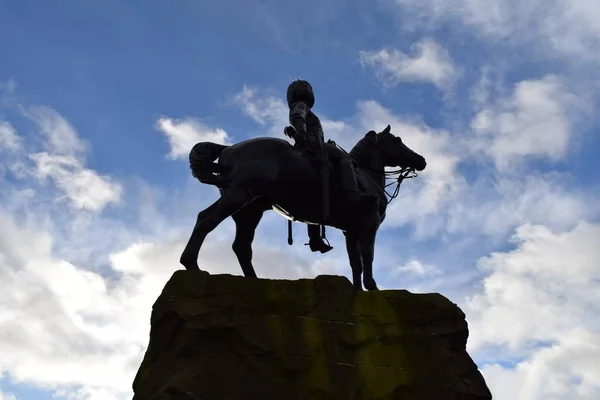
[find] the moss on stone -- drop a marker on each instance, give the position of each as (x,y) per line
(318,374)
(380,365)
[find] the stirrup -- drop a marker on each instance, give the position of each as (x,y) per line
(322,245)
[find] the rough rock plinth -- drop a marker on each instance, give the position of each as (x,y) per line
(229,337)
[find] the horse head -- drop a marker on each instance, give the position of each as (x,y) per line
(394,152)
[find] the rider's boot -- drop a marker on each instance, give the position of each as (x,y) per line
(316,242)
(350,186)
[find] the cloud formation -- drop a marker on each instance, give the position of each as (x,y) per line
(568,29)
(416,267)
(543,291)
(536,120)
(7,396)
(9,140)
(57,154)
(430,63)
(266,110)
(185,133)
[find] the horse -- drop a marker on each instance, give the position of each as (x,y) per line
(266,173)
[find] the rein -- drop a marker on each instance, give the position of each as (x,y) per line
(403,173)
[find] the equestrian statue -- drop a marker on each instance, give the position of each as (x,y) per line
(265,173)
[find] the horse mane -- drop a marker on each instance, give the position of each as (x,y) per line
(360,151)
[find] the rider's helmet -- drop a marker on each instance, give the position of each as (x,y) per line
(300,90)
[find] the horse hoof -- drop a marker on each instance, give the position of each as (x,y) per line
(371,285)
(189,265)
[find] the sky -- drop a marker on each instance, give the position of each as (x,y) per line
(101,101)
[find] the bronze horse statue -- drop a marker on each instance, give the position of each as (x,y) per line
(269,173)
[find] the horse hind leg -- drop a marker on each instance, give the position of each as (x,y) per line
(231,201)
(367,250)
(189,258)
(246,221)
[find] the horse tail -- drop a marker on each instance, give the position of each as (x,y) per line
(202,157)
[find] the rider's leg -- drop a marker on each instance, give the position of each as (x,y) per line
(349,184)
(316,242)
(348,176)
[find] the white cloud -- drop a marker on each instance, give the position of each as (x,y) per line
(7,396)
(430,63)
(61,137)
(11,150)
(416,267)
(47,316)
(263,109)
(9,140)
(565,28)
(536,120)
(84,188)
(62,162)
(541,299)
(494,205)
(564,371)
(184,134)
(540,289)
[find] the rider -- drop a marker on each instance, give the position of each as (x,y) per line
(307,131)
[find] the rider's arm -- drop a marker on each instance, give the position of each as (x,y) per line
(298,113)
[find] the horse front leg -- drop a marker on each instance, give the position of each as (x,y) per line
(366,239)
(355,257)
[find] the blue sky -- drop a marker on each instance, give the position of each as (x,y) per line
(101,101)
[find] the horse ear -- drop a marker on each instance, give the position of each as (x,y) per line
(387,129)
(371,134)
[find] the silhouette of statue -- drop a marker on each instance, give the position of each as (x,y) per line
(307,131)
(269,173)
